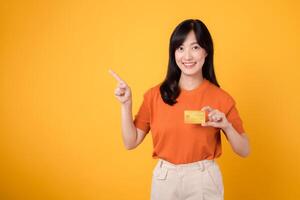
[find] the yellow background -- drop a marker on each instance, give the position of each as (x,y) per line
(60,122)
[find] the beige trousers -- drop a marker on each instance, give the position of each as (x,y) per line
(200,180)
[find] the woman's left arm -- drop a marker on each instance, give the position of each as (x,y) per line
(239,142)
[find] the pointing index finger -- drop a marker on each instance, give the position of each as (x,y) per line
(118,78)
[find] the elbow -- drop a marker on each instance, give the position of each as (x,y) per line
(129,147)
(244,153)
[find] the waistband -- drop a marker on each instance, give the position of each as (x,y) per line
(202,164)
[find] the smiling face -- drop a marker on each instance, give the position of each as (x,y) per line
(190,56)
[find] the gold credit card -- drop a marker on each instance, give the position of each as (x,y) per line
(194,117)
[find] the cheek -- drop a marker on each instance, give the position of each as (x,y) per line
(178,58)
(200,56)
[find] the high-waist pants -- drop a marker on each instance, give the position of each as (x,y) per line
(200,180)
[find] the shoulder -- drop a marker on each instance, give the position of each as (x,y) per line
(152,91)
(221,94)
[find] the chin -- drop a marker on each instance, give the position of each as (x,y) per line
(191,72)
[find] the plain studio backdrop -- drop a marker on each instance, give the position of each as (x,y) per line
(60,125)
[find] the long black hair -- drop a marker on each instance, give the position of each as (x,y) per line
(169,88)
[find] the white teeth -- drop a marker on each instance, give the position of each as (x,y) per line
(189,64)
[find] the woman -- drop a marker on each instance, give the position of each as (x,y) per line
(186,146)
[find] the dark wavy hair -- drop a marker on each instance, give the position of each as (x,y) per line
(169,88)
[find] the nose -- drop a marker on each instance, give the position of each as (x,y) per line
(187,55)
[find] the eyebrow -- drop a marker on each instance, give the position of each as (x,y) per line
(193,43)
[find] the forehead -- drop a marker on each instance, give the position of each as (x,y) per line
(190,39)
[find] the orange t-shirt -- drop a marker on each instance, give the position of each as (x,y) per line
(177,142)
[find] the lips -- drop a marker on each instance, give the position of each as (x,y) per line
(189,64)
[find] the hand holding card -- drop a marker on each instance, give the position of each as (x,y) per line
(216,118)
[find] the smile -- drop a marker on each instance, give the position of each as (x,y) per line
(189,65)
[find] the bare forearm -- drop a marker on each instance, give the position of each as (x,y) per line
(238,142)
(128,129)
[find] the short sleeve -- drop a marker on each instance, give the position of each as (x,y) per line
(142,118)
(233,116)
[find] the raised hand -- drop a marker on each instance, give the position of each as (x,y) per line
(122,91)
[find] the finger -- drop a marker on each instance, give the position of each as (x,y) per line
(122,85)
(115,75)
(214,124)
(119,91)
(213,112)
(207,108)
(215,116)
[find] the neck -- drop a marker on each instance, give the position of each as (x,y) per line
(190,82)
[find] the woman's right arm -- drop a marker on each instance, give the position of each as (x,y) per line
(131,135)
